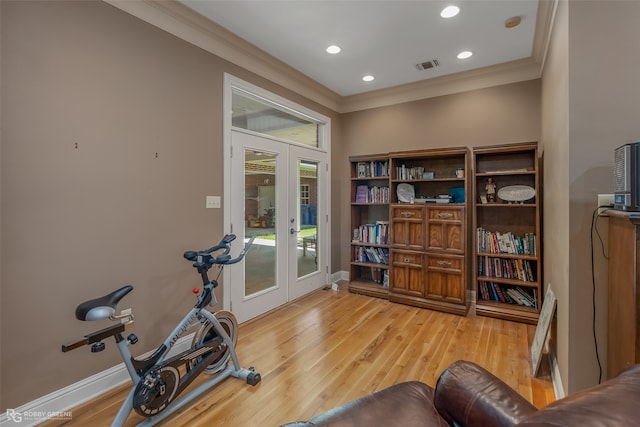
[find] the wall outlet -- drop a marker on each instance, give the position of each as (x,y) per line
(213,202)
(604,200)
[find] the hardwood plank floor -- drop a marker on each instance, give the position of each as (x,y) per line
(329,347)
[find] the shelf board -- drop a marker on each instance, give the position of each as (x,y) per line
(511,282)
(507,311)
(368,204)
(371,178)
(368,288)
(373,245)
(513,256)
(444,179)
(370,264)
(506,205)
(507,172)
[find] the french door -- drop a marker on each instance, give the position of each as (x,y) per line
(278,194)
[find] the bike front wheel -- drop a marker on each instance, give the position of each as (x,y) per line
(207,332)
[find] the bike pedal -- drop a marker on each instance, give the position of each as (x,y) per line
(98,347)
(132,339)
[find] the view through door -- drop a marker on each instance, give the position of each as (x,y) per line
(276,197)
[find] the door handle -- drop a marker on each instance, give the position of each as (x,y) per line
(293,231)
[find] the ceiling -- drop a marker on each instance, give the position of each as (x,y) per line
(383,38)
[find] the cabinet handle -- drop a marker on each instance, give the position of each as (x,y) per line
(444,263)
(445,215)
(407,214)
(408,260)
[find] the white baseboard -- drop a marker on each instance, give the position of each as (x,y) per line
(59,403)
(340,275)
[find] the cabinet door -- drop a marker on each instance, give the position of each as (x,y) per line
(408,227)
(445,229)
(406,273)
(445,278)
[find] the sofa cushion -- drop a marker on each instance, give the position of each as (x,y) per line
(407,404)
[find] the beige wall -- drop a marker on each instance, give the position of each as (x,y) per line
(555,150)
(604,103)
(590,104)
(498,115)
(79,222)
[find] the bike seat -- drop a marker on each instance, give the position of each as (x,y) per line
(103,307)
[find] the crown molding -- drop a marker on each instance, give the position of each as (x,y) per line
(179,20)
(495,75)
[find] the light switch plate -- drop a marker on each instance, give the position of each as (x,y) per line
(213,202)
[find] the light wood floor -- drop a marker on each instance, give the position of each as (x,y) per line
(329,347)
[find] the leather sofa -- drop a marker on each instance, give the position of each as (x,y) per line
(468,395)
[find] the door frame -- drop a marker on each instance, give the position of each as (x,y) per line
(324,144)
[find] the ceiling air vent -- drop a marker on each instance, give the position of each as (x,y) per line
(427,64)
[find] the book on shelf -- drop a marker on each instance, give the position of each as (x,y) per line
(380,276)
(376,168)
(371,255)
(374,194)
(506,268)
(404,172)
(505,243)
(377,233)
(514,295)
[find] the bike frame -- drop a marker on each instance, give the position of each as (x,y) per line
(206,352)
(195,315)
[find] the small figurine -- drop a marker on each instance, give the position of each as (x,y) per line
(491,190)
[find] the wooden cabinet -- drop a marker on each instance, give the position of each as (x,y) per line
(507,241)
(429,229)
(408,227)
(369,264)
(623,348)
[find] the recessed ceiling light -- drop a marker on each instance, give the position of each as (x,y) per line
(333,49)
(450,11)
(368,78)
(465,54)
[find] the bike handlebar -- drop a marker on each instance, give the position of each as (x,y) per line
(204,257)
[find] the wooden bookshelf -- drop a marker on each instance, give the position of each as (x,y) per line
(507,238)
(369,251)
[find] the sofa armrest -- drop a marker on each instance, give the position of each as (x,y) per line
(468,395)
(407,404)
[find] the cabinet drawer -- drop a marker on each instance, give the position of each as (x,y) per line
(446,214)
(407,212)
(406,258)
(448,262)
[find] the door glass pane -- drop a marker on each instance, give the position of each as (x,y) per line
(260,115)
(308,202)
(260,216)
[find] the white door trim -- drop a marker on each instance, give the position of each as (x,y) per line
(324,142)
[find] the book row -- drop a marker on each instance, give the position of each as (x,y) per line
(369,254)
(490,291)
(506,268)
(366,194)
(372,169)
(505,243)
(412,172)
(372,233)
(380,276)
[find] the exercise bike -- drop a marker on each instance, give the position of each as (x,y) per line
(158,379)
